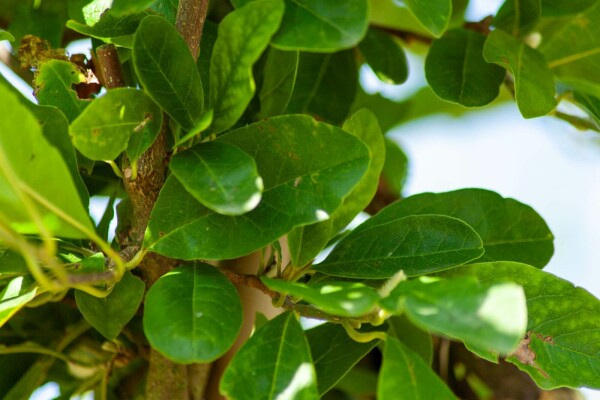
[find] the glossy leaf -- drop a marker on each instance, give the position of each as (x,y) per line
(325,86)
(110,314)
(293,173)
(279,358)
(456,71)
(563,325)
(518,17)
(417,245)
(385,56)
(346,299)
(279,79)
(28,162)
(167,71)
(220,176)
(534,84)
(243,35)
(405,376)
(434,15)
(203,310)
(490,317)
(334,353)
(510,230)
(122,119)
(53,84)
(111,28)
(14,296)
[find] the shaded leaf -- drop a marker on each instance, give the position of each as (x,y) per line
(209,37)
(279,357)
(123,7)
(434,15)
(14,296)
(166,69)
(279,78)
(111,28)
(385,56)
(203,125)
(203,310)
(415,338)
(395,168)
(534,84)
(11,262)
(590,104)
(306,242)
(122,119)
(553,8)
(243,35)
(168,9)
(417,245)
(518,17)
(456,71)
(220,176)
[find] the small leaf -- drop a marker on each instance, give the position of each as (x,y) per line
(122,119)
(405,376)
(346,299)
(110,314)
(279,78)
(385,56)
(220,176)
(456,71)
(534,84)
(165,67)
(334,353)
(203,311)
(415,338)
(306,242)
(279,357)
(4,35)
(417,245)
(490,317)
(53,85)
(243,35)
(203,125)
(14,296)
(518,17)
(434,15)
(111,28)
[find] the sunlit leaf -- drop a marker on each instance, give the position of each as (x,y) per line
(14,296)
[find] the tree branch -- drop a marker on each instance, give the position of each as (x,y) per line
(191,15)
(111,72)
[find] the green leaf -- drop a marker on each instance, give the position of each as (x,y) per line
(417,245)
(168,9)
(279,358)
(346,299)
(405,376)
(122,119)
(124,7)
(518,17)
(220,176)
(167,70)
(110,314)
(395,168)
(510,230)
(4,35)
(385,56)
(111,28)
(293,172)
(334,353)
(456,71)
(53,85)
(563,326)
(492,317)
(415,338)
(14,296)
(325,86)
(590,104)
(434,15)
(279,78)
(11,263)
(34,170)
(203,125)
(306,242)
(203,311)
(534,84)
(209,37)
(553,8)
(243,35)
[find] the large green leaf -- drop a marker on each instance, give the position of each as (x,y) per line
(334,353)
(192,314)
(111,28)
(434,15)
(518,17)
(167,71)
(456,71)
(325,86)
(303,163)
(243,35)
(405,376)
(563,345)
(347,299)
(279,79)
(279,358)
(385,56)
(14,296)
(534,84)
(110,314)
(28,163)
(53,85)
(417,245)
(122,119)
(510,230)
(489,317)
(220,176)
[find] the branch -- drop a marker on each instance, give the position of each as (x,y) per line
(111,72)
(191,15)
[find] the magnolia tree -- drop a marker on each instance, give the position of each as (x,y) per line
(238,144)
